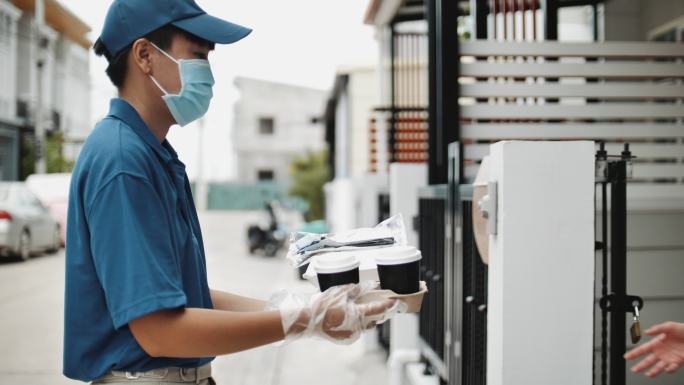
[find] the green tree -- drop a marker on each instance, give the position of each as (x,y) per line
(309,173)
(55,162)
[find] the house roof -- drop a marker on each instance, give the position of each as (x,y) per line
(61,20)
(380,12)
(371,11)
(383,12)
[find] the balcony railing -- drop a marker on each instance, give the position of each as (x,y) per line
(400,129)
(405,132)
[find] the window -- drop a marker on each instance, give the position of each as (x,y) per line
(266,126)
(265,175)
(6,30)
(3,28)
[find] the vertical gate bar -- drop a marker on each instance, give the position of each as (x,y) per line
(481,12)
(495,9)
(551,20)
(393,98)
(604,282)
(618,271)
(444,87)
(595,21)
(534,20)
(524,21)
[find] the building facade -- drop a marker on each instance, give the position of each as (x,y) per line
(9,122)
(349,117)
(274,123)
(62,48)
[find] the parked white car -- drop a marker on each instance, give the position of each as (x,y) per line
(53,192)
(26,226)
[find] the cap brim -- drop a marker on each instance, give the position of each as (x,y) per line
(213,29)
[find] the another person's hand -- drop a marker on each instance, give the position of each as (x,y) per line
(333,314)
(665,351)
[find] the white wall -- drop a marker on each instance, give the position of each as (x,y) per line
(353,112)
(340,205)
(72,89)
(405,181)
(369,187)
(27,73)
(8,63)
(292,107)
(24,79)
(363,93)
(576,24)
(541,270)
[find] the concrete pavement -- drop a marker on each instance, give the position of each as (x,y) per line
(31,319)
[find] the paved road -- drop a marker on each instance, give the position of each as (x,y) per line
(31,320)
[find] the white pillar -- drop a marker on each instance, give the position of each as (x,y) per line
(340,204)
(39,121)
(405,180)
(384,80)
(541,269)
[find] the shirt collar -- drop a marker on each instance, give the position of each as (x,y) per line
(123,111)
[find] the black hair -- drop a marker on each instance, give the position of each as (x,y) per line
(162,38)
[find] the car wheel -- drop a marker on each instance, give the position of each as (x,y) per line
(270,249)
(56,241)
(24,251)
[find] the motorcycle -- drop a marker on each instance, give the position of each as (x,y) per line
(270,239)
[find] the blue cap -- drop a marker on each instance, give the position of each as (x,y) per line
(129,20)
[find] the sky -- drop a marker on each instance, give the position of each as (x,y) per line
(299,42)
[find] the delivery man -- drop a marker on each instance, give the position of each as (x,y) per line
(137,304)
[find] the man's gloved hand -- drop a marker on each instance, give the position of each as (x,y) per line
(333,314)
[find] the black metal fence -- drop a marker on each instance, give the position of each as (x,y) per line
(474,306)
(453,321)
(431,224)
(384,213)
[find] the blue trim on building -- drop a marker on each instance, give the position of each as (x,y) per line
(10,151)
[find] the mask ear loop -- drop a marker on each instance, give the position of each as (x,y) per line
(165,53)
(158,85)
(168,56)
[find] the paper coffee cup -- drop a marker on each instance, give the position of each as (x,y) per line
(399,269)
(334,269)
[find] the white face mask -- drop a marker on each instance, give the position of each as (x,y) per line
(193,100)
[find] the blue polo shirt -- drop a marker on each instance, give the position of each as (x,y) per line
(134,246)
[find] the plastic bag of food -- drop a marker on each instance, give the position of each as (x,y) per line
(303,246)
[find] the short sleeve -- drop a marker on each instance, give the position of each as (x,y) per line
(132,250)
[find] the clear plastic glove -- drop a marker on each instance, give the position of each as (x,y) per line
(333,314)
(665,352)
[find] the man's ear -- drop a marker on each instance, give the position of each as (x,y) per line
(141,53)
